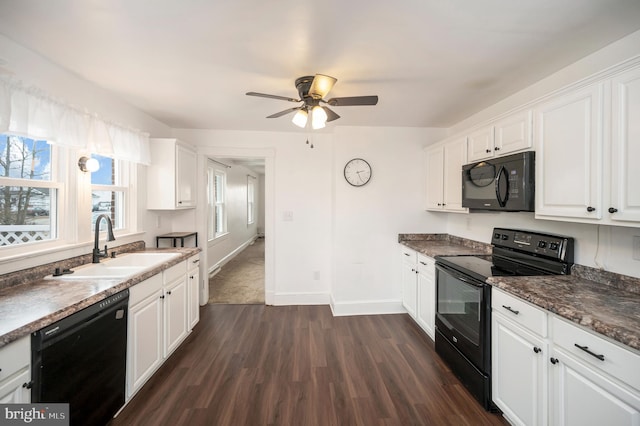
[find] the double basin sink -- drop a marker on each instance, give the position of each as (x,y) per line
(120,267)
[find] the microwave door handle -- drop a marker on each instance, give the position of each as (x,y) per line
(502,172)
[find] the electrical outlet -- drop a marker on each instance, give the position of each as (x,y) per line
(636,247)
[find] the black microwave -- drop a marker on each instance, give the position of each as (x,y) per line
(503,184)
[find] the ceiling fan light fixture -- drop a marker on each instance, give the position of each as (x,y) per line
(300,118)
(318,117)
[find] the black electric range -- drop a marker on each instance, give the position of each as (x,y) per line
(463,299)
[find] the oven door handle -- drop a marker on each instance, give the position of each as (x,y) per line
(460,276)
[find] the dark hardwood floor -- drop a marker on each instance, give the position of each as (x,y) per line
(298,365)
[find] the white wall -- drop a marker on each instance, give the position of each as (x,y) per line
(368,219)
(341,241)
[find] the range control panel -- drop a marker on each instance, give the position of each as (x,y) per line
(548,245)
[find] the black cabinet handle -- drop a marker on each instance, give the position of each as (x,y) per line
(162,297)
(537,349)
(28,385)
(497,148)
(612,210)
(422,263)
(591,209)
(407,254)
(169,292)
(488,150)
(191,277)
(554,361)
(179,202)
(586,349)
(510,309)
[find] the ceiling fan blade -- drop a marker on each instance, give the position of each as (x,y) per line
(264,95)
(285,112)
(321,85)
(353,100)
(330,114)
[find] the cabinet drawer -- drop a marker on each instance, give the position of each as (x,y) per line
(616,361)
(193,262)
(175,272)
(426,265)
(408,255)
(519,311)
(14,357)
(141,291)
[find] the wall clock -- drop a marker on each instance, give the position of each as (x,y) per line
(357,172)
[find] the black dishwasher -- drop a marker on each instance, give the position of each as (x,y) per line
(81,360)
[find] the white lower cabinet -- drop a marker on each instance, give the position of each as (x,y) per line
(570,377)
(193,283)
(409,280)
(426,304)
(519,365)
(419,288)
(157,323)
(15,372)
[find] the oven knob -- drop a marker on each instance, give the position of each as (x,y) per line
(542,244)
(553,246)
(505,237)
(496,236)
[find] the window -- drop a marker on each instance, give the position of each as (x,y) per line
(28,191)
(216,202)
(251,199)
(109,192)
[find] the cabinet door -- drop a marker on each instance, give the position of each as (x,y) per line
(435,177)
(569,155)
(426,305)
(481,144)
(194,297)
(625,173)
(175,315)
(455,156)
(409,288)
(580,396)
(144,353)
(519,372)
(513,133)
(12,390)
(186,164)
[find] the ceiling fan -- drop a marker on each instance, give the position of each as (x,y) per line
(312,90)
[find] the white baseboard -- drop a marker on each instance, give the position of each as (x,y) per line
(283,299)
(367,307)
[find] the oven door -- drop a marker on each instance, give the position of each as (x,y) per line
(462,314)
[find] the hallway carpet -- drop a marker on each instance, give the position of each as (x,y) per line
(241,280)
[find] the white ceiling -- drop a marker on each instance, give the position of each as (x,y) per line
(188,63)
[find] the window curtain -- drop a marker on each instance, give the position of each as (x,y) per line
(31,113)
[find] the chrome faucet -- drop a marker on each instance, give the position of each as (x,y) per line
(96,251)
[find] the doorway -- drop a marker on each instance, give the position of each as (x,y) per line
(239,262)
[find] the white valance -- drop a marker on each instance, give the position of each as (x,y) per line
(31,113)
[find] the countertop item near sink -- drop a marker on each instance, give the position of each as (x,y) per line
(442,245)
(28,307)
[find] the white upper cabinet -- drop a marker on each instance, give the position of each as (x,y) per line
(513,133)
(481,144)
(444,175)
(625,146)
(505,136)
(171,177)
(569,155)
(586,167)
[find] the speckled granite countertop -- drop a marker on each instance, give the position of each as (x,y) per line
(610,311)
(442,245)
(27,307)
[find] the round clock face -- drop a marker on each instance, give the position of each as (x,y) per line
(357,172)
